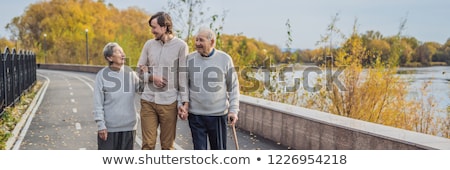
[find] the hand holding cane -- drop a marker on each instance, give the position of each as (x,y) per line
(233,118)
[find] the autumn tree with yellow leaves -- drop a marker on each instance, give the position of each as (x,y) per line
(65,22)
(374,92)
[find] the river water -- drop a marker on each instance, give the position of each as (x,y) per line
(438,78)
(439,83)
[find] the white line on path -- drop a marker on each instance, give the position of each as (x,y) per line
(92,89)
(78,126)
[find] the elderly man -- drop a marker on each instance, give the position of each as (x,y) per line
(213,93)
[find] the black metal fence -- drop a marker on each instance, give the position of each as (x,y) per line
(17,75)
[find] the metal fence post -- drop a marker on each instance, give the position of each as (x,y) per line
(2,83)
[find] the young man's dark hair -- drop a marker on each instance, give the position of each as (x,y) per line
(164,20)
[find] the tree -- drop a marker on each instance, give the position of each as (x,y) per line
(5,43)
(327,39)
(426,51)
(394,56)
(65,21)
(187,15)
(408,45)
(380,47)
(375,93)
(443,53)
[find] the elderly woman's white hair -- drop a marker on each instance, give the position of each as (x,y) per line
(108,50)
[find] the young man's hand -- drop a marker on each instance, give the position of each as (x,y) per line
(158,81)
(183,111)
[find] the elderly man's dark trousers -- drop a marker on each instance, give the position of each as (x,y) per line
(212,128)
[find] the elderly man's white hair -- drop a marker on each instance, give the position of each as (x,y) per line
(209,33)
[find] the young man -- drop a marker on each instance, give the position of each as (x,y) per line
(163,55)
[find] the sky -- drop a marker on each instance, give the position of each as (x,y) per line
(265,20)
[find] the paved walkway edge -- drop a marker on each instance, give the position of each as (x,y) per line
(26,118)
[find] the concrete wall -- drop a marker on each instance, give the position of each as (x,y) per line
(301,128)
(71,67)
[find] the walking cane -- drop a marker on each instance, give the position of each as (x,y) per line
(235,136)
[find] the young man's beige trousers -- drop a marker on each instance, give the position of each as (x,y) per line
(165,116)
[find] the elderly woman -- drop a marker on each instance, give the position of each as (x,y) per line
(114,107)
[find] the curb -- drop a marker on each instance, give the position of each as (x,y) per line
(25,116)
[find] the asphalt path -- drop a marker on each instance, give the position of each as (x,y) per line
(64,119)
